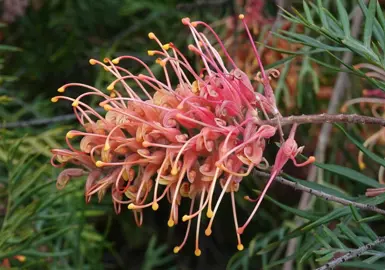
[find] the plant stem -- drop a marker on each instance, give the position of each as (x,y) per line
(352,254)
(321,194)
(326,118)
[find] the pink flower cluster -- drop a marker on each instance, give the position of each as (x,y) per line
(185,140)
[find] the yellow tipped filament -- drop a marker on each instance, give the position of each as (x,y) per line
(111,87)
(197,252)
(155,206)
(125,175)
(61,89)
(106,60)
(174,171)
(115,61)
(107,147)
(69,135)
(240,247)
(131,206)
(176,249)
(151,35)
(150,52)
(166,46)
(113,95)
(185,218)
(54,99)
(241,16)
(362,165)
(92,61)
(170,223)
(208,232)
(75,103)
(107,107)
(99,163)
(162,63)
(209,213)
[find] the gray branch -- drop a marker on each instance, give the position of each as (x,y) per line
(321,194)
(352,254)
(326,118)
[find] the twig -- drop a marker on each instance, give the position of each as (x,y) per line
(326,118)
(352,254)
(321,194)
(323,139)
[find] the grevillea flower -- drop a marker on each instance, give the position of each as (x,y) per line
(181,141)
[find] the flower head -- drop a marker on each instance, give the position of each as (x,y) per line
(158,139)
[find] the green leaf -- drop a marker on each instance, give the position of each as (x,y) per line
(381,17)
(349,173)
(360,146)
(344,18)
(322,14)
(369,22)
(350,234)
(309,17)
(295,211)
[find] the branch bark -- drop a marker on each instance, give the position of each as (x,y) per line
(321,194)
(326,118)
(352,254)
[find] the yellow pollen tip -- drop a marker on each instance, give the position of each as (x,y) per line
(176,249)
(151,35)
(311,159)
(162,63)
(107,107)
(166,46)
(75,103)
(191,47)
(208,232)
(107,147)
(174,171)
(113,95)
(362,165)
(111,87)
(54,99)
(115,61)
(197,252)
(185,218)
(170,223)
(150,52)
(106,60)
(61,89)
(241,16)
(99,163)
(131,206)
(209,213)
(69,135)
(240,247)
(92,61)
(155,206)
(20,258)
(194,24)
